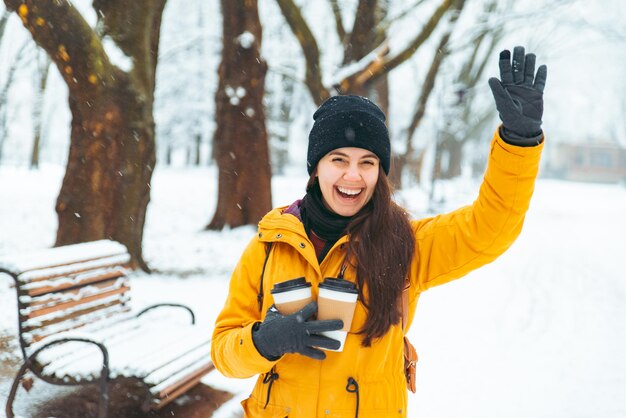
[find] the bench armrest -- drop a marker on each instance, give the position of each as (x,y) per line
(104,374)
(175,305)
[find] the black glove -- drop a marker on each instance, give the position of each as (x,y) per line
(519,96)
(279,334)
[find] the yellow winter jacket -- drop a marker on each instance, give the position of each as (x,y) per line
(448,247)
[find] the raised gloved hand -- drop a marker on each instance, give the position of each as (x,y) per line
(279,334)
(519,94)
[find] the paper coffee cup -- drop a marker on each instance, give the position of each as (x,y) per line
(337,300)
(292,295)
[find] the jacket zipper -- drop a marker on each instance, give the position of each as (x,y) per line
(353,387)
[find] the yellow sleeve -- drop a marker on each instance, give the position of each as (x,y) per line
(451,245)
(232,349)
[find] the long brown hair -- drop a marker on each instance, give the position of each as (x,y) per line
(381,245)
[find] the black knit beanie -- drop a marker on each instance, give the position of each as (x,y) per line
(348,121)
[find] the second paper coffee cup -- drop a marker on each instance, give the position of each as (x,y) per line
(337,300)
(292,295)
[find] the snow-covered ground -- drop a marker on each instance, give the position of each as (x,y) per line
(541,332)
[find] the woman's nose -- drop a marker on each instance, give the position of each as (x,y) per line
(352,173)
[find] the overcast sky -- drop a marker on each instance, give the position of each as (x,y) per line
(582,42)
(586,53)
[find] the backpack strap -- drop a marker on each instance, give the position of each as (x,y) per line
(405,305)
(259,297)
(410,355)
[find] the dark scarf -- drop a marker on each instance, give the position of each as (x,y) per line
(325,223)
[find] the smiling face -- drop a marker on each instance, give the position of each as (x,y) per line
(347,178)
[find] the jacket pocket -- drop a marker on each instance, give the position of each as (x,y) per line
(253,409)
(370,413)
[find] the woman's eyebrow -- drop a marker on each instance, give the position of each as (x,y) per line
(343,154)
(372,155)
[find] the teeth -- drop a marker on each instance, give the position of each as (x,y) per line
(350,192)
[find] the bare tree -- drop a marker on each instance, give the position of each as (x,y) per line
(428,85)
(279,107)
(367,34)
(469,117)
(240,144)
(4,90)
(3,22)
(368,53)
(376,60)
(106,187)
(184,109)
(43,65)
(23,55)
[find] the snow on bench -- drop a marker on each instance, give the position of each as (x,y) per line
(63,256)
(74,317)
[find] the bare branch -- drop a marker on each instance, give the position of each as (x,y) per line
(608,32)
(23,55)
(425,92)
(132,25)
(299,27)
(341,31)
(77,53)
(380,69)
(466,71)
(427,30)
(471,72)
(402,14)
(510,19)
(429,82)
(3,22)
(495,38)
(360,41)
(358,73)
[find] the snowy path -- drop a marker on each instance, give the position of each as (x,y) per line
(541,332)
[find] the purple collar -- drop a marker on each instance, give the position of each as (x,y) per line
(294,209)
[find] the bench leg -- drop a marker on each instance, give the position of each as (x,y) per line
(103,380)
(12,392)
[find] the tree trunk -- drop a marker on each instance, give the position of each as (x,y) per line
(240,144)
(198,148)
(454,151)
(362,38)
(38,112)
(106,187)
(441,52)
(310,49)
(398,162)
(21,56)
(169,151)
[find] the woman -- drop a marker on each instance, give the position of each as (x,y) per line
(347,225)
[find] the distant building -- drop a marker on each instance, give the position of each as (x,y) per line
(593,162)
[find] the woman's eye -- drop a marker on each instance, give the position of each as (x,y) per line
(368,162)
(337,159)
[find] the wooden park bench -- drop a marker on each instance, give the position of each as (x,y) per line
(76,327)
